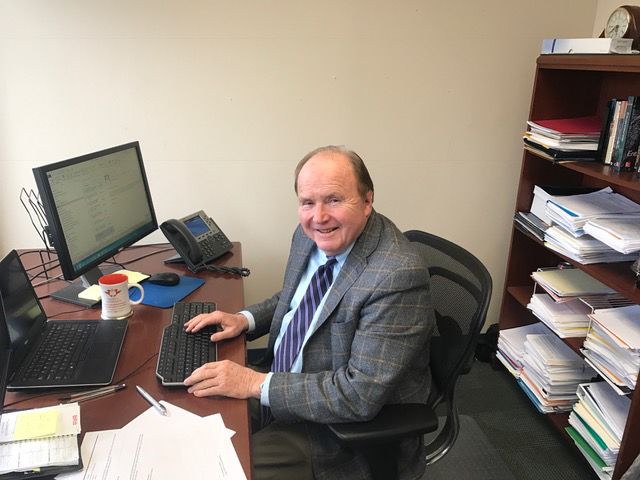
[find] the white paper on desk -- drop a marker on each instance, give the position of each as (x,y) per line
(97,443)
(152,446)
(150,418)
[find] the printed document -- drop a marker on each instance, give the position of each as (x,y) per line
(155,447)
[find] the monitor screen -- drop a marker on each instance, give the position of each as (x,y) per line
(96,205)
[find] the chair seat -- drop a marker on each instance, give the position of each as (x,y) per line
(393,423)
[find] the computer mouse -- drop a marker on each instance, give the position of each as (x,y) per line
(168,279)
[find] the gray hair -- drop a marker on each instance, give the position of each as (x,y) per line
(365,184)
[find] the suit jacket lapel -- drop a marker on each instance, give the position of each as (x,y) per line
(353,267)
(298,264)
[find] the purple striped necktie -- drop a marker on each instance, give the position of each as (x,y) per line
(296,330)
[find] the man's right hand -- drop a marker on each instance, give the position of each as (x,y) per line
(231,324)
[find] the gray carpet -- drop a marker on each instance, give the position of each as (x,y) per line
(472,457)
(503,437)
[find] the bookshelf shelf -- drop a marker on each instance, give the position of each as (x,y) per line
(600,63)
(573,86)
(605,173)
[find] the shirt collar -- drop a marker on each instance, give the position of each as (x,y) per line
(341,258)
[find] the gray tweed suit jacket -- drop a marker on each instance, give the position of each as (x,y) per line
(370,349)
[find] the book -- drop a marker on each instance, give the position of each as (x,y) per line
(623,133)
(586,45)
(631,139)
(588,126)
(605,131)
(563,144)
(530,224)
(614,130)
(556,155)
(617,140)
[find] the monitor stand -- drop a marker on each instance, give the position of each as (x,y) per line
(70,293)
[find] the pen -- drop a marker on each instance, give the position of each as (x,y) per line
(154,403)
(99,392)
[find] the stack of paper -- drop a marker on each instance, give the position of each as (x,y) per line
(564,138)
(565,284)
(566,319)
(179,445)
(539,204)
(529,223)
(543,193)
(584,249)
(39,438)
(621,234)
(574,211)
(551,373)
(612,345)
(596,425)
(511,345)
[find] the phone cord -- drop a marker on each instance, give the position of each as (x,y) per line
(240,271)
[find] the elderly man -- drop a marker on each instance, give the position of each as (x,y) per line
(348,330)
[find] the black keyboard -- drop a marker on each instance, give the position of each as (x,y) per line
(181,352)
(57,357)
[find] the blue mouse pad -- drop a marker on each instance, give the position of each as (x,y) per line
(163,296)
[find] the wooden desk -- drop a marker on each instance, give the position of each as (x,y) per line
(138,358)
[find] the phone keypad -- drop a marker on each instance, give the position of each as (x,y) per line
(213,244)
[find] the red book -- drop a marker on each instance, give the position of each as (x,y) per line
(570,126)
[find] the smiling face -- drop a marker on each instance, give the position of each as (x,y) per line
(331,210)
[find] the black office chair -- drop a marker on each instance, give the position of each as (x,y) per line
(461,290)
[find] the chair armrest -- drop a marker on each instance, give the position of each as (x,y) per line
(393,423)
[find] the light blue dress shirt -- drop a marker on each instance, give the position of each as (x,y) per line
(317,258)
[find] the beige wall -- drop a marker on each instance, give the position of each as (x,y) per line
(226,96)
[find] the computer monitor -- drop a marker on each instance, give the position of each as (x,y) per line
(96,205)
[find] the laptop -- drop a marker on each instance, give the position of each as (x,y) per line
(52,353)
(5,357)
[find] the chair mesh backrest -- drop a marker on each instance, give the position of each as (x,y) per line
(460,291)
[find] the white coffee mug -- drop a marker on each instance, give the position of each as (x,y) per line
(114,291)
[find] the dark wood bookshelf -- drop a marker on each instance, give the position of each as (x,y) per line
(573,86)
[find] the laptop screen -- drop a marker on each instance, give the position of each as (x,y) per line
(22,311)
(5,352)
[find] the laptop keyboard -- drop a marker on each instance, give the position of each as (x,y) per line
(181,352)
(62,349)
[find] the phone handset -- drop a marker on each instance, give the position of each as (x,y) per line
(198,240)
(183,241)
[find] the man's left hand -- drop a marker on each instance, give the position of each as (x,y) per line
(225,378)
